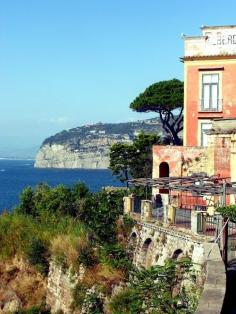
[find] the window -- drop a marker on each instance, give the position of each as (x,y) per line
(210,92)
(204,137)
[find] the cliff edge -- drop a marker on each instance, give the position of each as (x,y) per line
(88,146)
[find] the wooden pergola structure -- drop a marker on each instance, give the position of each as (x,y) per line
(198,184)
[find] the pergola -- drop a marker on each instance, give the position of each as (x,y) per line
(198,184)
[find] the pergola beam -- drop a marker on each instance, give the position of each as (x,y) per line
(200,184)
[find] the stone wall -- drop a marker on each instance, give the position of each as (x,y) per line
(60,288)
(212,298)
(153,245)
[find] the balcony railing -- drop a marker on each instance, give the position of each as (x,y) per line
(210,105)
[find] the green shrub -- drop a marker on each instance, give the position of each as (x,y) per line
(37,309)
(100,212)
(27,204)
(151,290)
(128,223)
(228,211)
(126,302)
(95,304)
(37,254)
(79,293)
(86,256)
(115,256)
(79,191)
(60,199)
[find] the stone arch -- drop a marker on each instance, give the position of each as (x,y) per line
(177,254)
(133,239)
(164,171)
(132,245)
(146,252)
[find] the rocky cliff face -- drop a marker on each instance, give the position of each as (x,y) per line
(93,154)
(88,146)
(21,286)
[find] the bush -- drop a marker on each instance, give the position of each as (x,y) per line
(86,253)
(59,199)
(126,302)
(27,204)
(79,293)
(152,290)
(100,213)
(38,309)
(37,254)
(115,256)
(128,223)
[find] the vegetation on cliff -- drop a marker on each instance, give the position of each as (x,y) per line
(74,136)
(76,228)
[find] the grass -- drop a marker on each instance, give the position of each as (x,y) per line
(103,275)
(17,231)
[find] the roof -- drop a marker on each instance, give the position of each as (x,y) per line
(218,27)
(208,57)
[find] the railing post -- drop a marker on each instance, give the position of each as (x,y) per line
(128,204)
(146,210)
(194,221)
(198,221)
(171,214)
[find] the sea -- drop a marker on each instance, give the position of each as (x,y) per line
(15,175)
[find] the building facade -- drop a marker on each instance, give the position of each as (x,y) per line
(210,81)
(209,110)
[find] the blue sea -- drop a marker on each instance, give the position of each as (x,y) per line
(15,175)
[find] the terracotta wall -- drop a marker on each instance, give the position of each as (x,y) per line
(193,94)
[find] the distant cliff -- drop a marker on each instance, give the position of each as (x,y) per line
(88,146)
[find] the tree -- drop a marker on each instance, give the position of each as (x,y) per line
(135,159)
(166,98)
(27,204)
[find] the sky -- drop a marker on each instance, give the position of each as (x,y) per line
(66,63)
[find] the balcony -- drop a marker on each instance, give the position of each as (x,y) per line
(210,105)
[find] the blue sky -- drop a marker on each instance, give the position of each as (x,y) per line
(65,63)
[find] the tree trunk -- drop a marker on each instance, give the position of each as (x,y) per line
(172,125)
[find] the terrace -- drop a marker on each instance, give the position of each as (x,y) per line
(188,204)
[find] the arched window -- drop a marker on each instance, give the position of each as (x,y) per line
(177,254)
(146,255)
(133,240)
(164,171)
(146,244)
